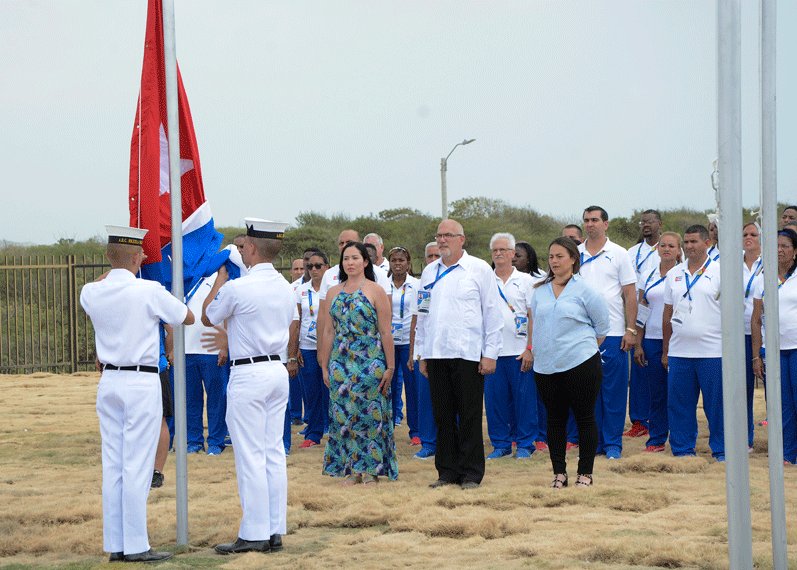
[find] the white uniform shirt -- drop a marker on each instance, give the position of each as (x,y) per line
(308,299)
(259,309)
(464,318)
(403,300)
(653,284)
(295,285)
(332,278)
(700,334)
(749,276)
(385,265)
(607,272)
(787,309)
(517,290)
(193,333)
(643,258)
(126,313)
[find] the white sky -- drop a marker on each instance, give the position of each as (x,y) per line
(347,106)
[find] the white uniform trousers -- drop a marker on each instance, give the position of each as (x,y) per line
(130,410)
(257,396)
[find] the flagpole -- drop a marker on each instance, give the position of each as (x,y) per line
(173,122)
(729,107)
(769,252)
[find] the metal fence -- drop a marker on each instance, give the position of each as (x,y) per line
(42,325)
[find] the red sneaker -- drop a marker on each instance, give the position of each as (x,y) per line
(637,430)
(570,445)
(654,448)
(540,446)
(415,441)
(308,443)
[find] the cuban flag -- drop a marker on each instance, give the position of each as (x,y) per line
(149,197)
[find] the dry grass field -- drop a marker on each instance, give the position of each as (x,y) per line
(645,511)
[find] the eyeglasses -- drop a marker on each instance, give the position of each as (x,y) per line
(448,235)
(313,266)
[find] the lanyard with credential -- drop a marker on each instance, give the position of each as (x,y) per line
(508,304)
(310,302)
(698,275)
(638,264)
(438,277)
(756,271)
(645,294)
(591,259)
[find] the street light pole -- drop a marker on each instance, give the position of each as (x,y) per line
(443,170)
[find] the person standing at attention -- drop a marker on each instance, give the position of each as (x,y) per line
(258,309)
(126,314)
(569,322)
(459,331)
(606,267)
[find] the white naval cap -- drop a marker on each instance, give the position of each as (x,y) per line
(258,228)
(125,235)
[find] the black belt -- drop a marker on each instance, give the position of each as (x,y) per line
(253,359)
(139,368)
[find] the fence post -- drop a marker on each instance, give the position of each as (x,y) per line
(72,310)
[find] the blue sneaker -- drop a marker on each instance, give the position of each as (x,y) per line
(287,451)
(613,453)
(498,453)
(195,448)
(215,449)
(227,441)
(523,453)
(424,454)
(720,459)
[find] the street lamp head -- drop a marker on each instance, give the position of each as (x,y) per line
(468,141)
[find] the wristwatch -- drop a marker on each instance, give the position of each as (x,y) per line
(632,331)
(293,359)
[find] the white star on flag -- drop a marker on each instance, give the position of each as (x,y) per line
(185,163)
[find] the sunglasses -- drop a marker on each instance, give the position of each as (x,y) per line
(313,266)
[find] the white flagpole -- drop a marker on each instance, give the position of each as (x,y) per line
(173,121)
(729,96)
(769,219)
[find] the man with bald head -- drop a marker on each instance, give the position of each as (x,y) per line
(458,333)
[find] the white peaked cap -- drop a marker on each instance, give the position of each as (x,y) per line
(259,228)
(125,235)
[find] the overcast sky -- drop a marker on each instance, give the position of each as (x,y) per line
(348,106)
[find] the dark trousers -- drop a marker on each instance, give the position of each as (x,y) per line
(575,389)
(457,391)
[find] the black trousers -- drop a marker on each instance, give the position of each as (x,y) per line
(575,389)
(457,391)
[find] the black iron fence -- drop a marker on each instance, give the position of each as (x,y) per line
(42,325)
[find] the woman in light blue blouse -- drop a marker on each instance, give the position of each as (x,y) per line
(570,321)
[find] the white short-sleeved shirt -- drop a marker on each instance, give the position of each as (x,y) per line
(644,258)
(749,275)
(385,265)
(652,284)
(403,299)
(295,284)
(464,319)
(308,299)
(517,290)
(259,309)
(193,333)
(608,272)
(126,313)
(700,334)
(332,278)
(787,310)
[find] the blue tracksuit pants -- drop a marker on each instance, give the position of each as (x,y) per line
(510,400)
(410,381)
(316,396)
(427,429)
(611,404)
(750,377)
(687,378)
(788,383)
(203,377)
(655,376)
(295,400)
(638,395)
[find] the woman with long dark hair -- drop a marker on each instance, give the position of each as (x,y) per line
(570,321)
(357,361)
(787,296)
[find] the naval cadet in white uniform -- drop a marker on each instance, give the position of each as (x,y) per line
(258,310)
(126,313)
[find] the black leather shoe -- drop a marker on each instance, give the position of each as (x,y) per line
(469,485)
(441,483)
(117,557)
(157,479)
(240,545)
(148,556)
(275,542)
